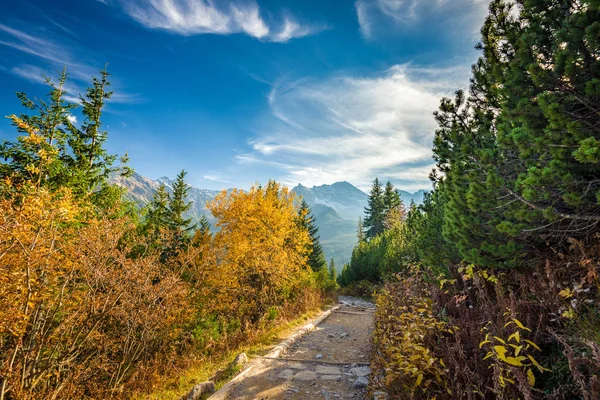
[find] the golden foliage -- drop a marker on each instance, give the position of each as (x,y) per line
(77,315)
(259,251)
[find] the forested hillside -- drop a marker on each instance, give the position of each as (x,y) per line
(491,286)
(102,299)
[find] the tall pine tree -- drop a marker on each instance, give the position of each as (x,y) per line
(375,211)
(316,257)
(332,270)
(179,205)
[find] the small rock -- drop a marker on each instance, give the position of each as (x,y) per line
(344,335)
(286,374)
(201,389)
(293,389)
(241,359)
(360,382)
(361,371)
(319,356)
(305,376)
(379,395)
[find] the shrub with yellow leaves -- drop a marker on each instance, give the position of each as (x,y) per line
(78,316)
(406,330)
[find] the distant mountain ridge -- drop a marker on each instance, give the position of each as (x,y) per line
(336,208)
(141,190)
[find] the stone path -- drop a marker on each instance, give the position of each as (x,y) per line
(331,362)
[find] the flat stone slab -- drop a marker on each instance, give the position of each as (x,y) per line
(286,374)
(296,365)
(327,370)
(306,376)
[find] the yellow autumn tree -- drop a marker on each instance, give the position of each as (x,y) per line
(260,259)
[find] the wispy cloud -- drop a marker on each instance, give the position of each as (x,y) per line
(193,17)
(355,128)
(51,56)
(379,15)
(214,178)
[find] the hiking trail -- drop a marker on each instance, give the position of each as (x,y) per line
(330,362)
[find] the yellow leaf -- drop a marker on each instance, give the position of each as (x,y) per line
(501,379)
(419,380)
(499,339)
(533,345)
(533,360)
(516,336)
(518,350)
(566,293)
(501,351)
(520,325)
(570,314)
(530,378)
(513,361)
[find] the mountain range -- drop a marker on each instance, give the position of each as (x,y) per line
(336,208)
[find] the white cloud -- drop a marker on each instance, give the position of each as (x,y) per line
(214,178)
(72,119)
(292,29)
(364,21)
(52,56)
(355,128)
(457,15)
(192,17)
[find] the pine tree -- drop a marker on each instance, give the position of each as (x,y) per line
(53,152)
(332,270)
(391,198)
(90,164)
(204,225)
(157,218)
(316,257)
(519,155)
(375,211)
(360,232)
(178,206)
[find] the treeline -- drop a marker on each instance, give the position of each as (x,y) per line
(491,286)
(376,253)
(98,298)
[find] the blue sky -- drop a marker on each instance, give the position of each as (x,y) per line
(237,92)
